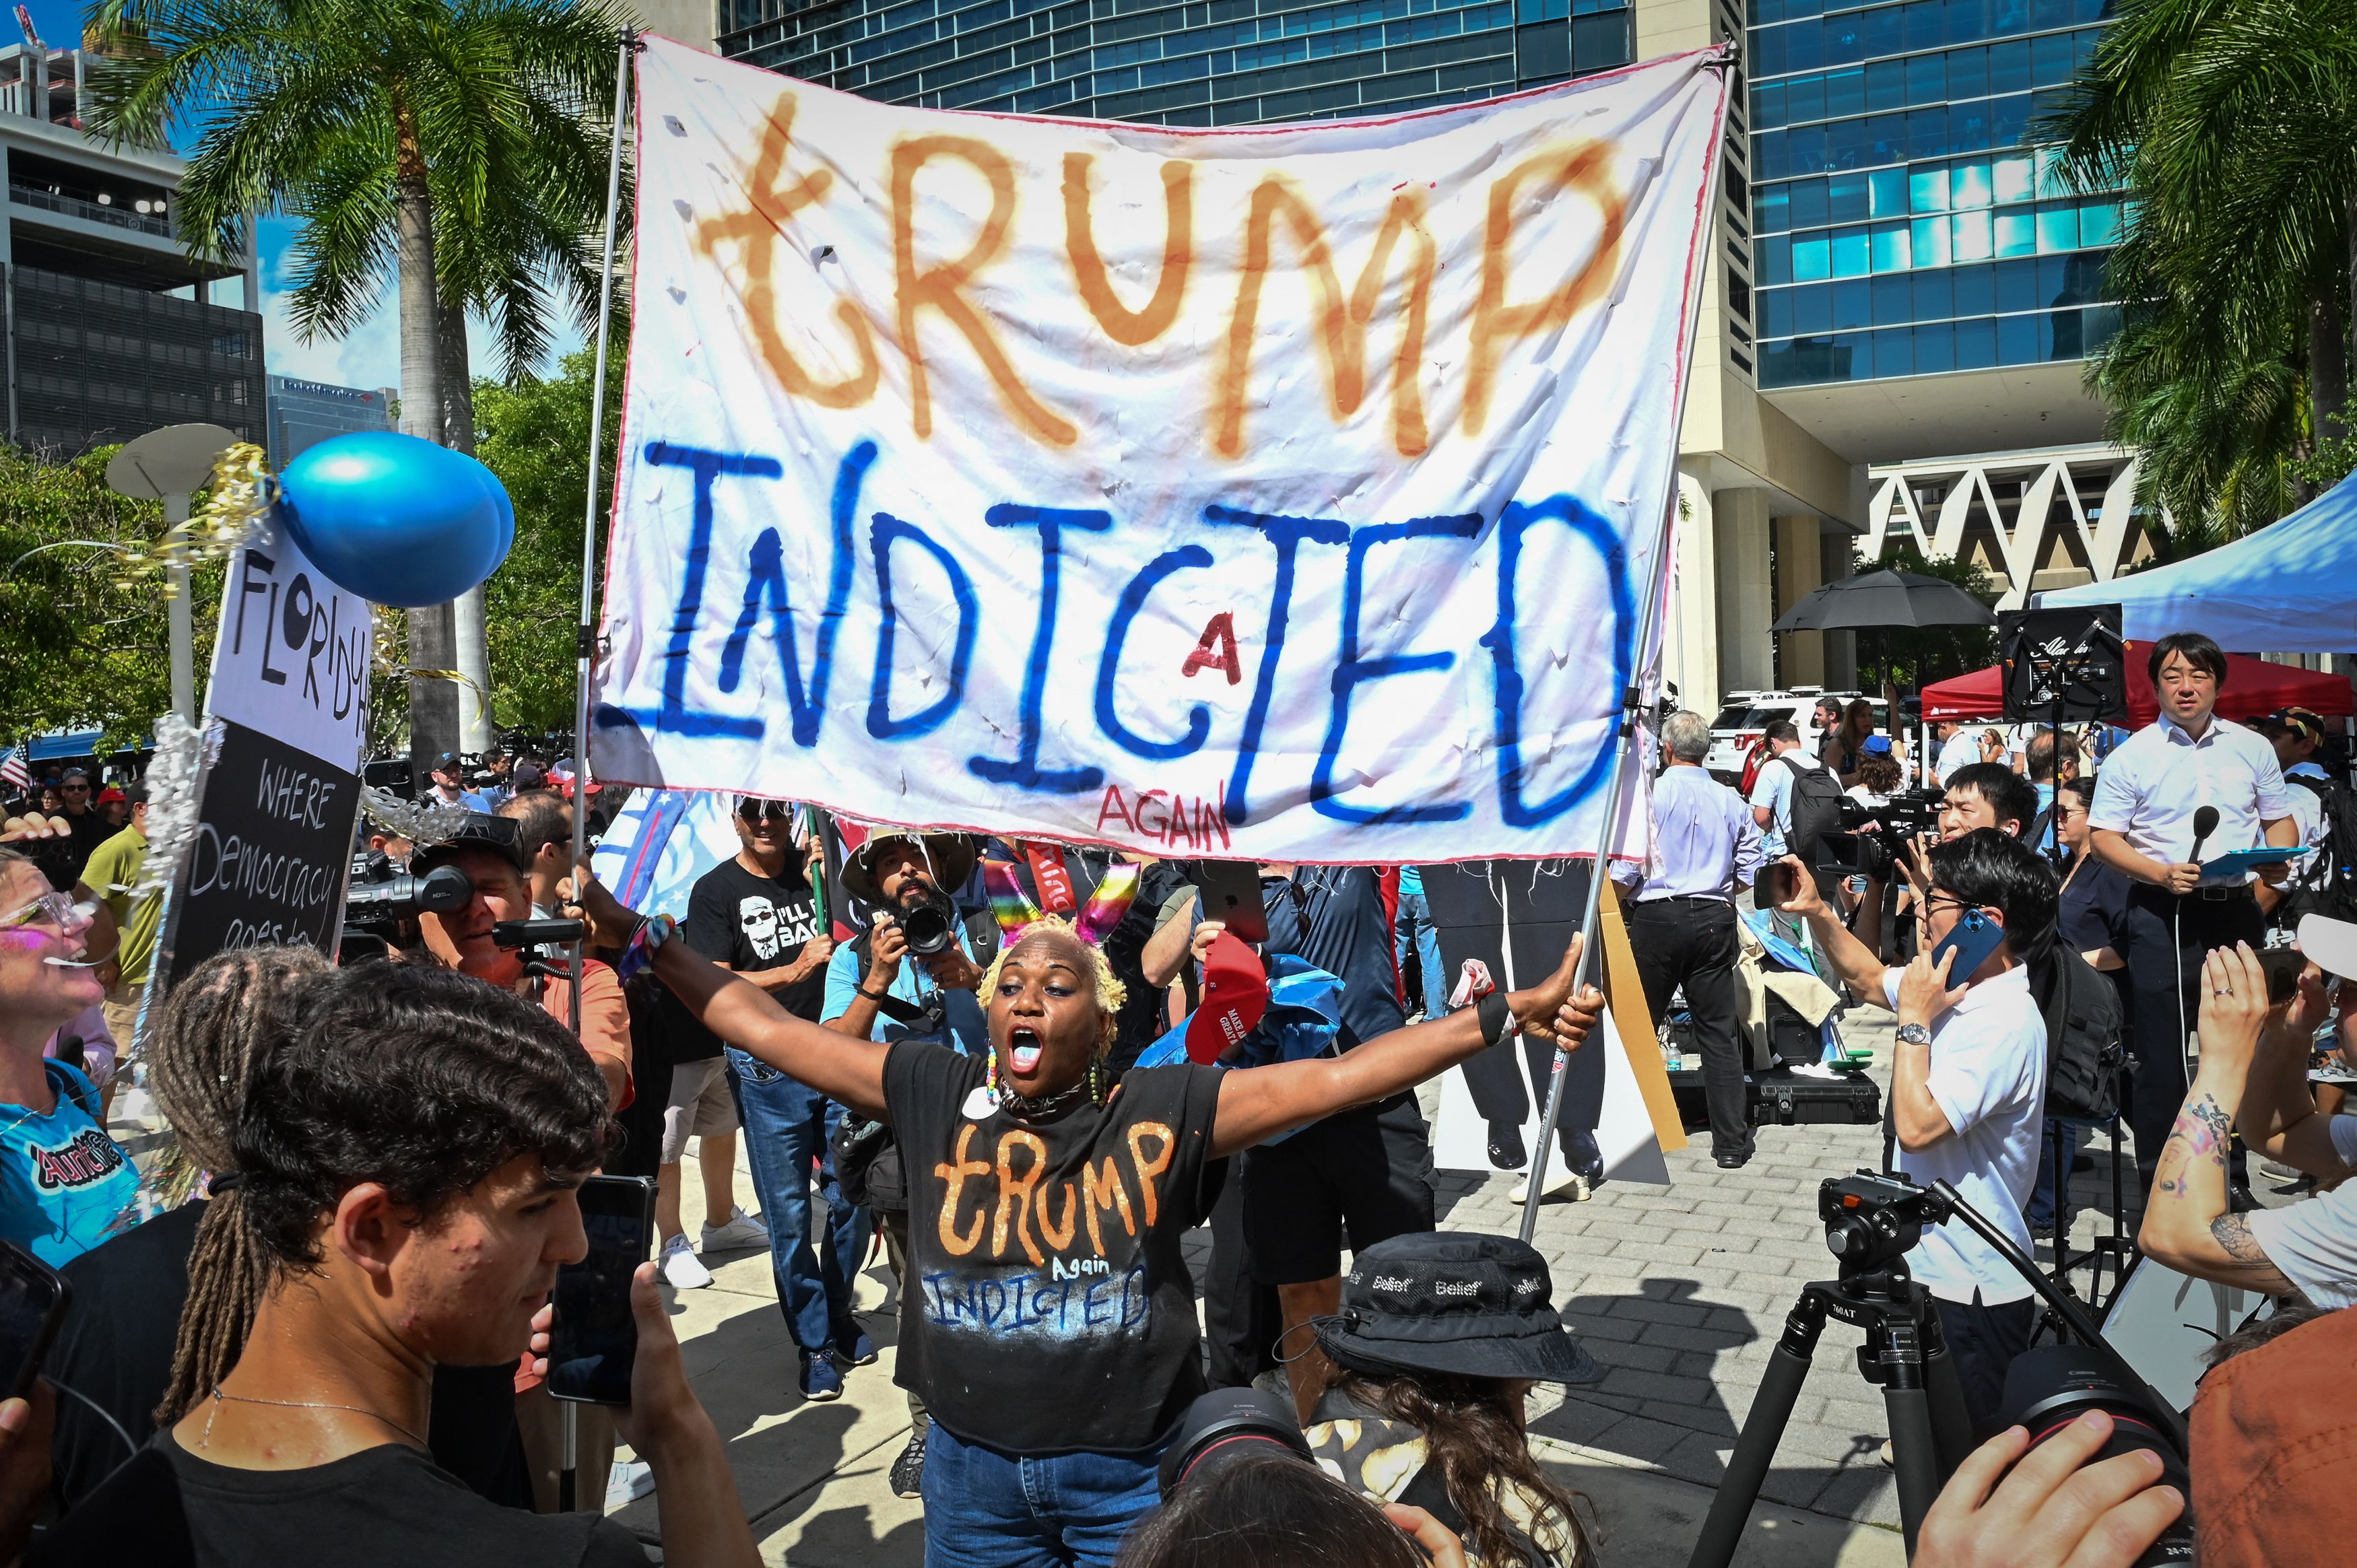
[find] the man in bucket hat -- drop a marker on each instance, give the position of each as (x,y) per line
(876,989)
(1440,1338)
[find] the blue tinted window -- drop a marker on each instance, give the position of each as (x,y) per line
(2008,67)
(1893,253)
(1849,144)
(1976,290)
(1851,255)
(1846,92)
(1811,260)
(1921,25)
(1976,344)
(1970,126)
(1886,139)
(1927,133)
(2017,234)
(1927,79)
(1852,305)
(1936,348)
(2058,228)
(2101,325)
(1776,312)
(1843,41)
(1889,187)
(1881,30)
(1968,73)
(1771,209)
(1772,155)
(2008,16)
(2051,60)
(1774,258)
(2045,14)
(1809,206)
(1804,48)
(1894,302)
(1894,352)
(1928,242)
(1806,149)
(1935,294)
(2009,120)
(1804,99)
(1813,309)
(2017,287)
(1853,357)
(1886,84)
(1767,105)
(1767,51)
(2017,339)
(1845,198)
(2099,223)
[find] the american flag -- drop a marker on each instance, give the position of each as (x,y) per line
(12,769)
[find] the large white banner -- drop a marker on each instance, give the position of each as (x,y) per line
(1277,494)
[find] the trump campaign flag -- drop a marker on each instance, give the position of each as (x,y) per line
(1279,493)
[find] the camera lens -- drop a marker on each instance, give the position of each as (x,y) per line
(2049,1387)
(928,930)
(1227,1423)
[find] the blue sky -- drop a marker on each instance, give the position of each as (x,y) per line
(370,355)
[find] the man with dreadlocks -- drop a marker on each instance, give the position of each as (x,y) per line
(1049,1317)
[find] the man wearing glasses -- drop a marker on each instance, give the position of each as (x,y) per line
(89,825)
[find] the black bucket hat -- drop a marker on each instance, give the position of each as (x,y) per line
(1456,1304)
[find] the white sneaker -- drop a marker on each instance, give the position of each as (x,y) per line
(681,1267)
(742,1231)
(627,1482)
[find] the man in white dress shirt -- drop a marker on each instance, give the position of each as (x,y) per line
(2147,796)
(1682,921)
(1967,1086)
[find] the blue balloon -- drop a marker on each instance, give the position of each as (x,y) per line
(396,520)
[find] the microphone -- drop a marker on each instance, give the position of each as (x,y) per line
(2205,822)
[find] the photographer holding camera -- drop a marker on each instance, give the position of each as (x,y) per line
(406,1157)
(877,990)
(1968,1080)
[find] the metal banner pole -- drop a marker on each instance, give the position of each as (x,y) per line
(1632,699)
(586,646)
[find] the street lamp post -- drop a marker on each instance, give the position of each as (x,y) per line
(165,465)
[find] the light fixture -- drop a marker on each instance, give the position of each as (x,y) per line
(141,204)
(104,200)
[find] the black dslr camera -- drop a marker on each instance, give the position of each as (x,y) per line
(1872,1220)
(930,928)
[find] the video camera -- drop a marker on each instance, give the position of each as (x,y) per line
(375,911)
(930,928)
(1872,838)
(536,935)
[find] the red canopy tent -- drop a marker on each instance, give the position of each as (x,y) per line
(2254,688)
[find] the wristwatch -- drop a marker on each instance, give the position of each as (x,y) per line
(1915,1035)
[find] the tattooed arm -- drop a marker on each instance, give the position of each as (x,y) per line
(2278,1117)
(2186,1223)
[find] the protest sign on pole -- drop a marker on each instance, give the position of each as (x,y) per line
(277,788)
(1280,493)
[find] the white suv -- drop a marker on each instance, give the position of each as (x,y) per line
(1746,715)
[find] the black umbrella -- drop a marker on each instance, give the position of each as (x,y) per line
(1885,601)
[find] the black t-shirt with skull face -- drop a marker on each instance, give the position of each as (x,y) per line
(750,922)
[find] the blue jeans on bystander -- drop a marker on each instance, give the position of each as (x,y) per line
(989,1509)
(1413,929)
(786,1128)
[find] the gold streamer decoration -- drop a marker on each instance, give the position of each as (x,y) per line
(241,491)
(387,656)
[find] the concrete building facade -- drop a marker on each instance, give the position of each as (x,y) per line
(111,327)
(1898,298)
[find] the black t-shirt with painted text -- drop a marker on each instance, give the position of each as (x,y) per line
(1050,1310)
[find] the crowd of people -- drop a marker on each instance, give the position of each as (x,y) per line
(979,1052)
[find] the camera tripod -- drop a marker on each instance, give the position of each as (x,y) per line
(1904,1353)
(1877,1219)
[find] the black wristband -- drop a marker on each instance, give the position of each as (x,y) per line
(1495,1017)
(862,991)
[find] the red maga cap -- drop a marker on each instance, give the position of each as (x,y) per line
(1235,994)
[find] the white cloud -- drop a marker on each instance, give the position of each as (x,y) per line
(369,356)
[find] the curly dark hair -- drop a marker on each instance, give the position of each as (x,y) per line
(1268,1512)
(417,1077)
(1473,1438)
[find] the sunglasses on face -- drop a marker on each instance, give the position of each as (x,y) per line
(766,811)
(75,789)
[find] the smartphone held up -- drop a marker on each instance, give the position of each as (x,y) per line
(593,1341)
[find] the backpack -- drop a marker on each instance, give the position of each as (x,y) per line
(2327,884)
(866,1159)
(2086,1054)
(1816,800)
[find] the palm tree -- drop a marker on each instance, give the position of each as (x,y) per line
(454,147)
(2233,124)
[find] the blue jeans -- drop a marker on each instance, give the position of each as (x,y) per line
(786,1128)
(986,1510)
(1414,927)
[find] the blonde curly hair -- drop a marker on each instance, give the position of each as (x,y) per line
(1110,992)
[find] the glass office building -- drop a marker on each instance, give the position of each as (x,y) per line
(1903,224)
(1212,62)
